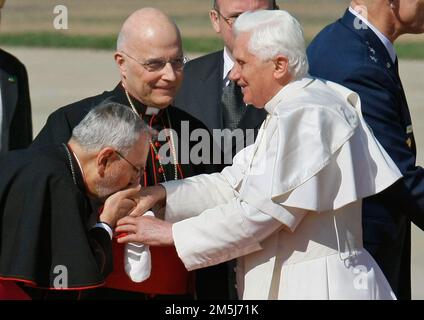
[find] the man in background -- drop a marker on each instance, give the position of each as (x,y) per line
(51,237)
(208,94)
(15,104)
(358,52)
(150,60)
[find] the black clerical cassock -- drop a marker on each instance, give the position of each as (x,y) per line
(169,275)
(47,237)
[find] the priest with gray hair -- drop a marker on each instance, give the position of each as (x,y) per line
(289,208)
(51,238)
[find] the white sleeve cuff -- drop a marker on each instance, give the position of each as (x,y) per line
(106,227)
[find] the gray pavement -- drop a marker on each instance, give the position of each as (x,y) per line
(60,76)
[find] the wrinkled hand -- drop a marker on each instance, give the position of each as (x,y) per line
(145,229)
(150,197)
(119,205)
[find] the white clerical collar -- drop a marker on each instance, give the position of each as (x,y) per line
(287,91)
(151,111)
(387,43)
(228,63)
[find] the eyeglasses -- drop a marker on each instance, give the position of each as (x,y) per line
(153,65)
(229,20)
(137,170)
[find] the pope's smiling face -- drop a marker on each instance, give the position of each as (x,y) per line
(253,75)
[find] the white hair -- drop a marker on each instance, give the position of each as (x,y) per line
(274,32)
(110,125)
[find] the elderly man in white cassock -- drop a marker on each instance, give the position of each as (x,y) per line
(289,208)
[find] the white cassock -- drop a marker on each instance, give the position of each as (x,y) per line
(289,208)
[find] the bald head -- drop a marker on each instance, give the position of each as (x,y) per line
(144,25)
(150,57)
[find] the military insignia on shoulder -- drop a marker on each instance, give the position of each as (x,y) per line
(12,79)
(372,53)
(374,59)
(409,143)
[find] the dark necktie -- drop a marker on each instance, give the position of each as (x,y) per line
(396,64)
(233,105)
(397,67)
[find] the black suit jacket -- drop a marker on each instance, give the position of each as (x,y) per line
(16,128)
(201,91)
(200,96)
(60,124)
(357,59)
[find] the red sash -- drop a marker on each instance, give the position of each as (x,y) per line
(168,275)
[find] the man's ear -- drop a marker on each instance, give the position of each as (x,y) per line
(281,67)
(213,15)
(103,157)
(120,62)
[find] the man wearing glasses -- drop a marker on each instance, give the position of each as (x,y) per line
(150,60)
(15,104)
(204,91)
(209,95)
(54,244)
